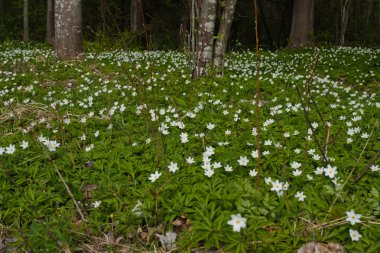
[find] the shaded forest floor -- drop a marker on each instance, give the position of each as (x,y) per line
(122,151)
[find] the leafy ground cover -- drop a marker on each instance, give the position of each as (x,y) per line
(122,150)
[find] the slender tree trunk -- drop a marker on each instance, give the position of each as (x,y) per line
(264,21)
(68,29)
(205,37)
(103,15)
(1,13)
(302,30)
(224,33)
(50,22)
(367,16)
(344,10)
(25,36)
(137,18)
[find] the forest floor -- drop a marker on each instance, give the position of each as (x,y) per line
(123,152)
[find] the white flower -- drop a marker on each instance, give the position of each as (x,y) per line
(89,148)
(330,171)
(266,152)
(355,235)
(295,165)
(243,161)
(10,149)
(228,168)
(190,160)
(66,121)
(276,186)
(51,145)
(155,176)
(365,135)
(255,153)
(316,157)
(300,196)
(216,165)
(184,137)
(297,172)
(24,144)
(210,126)
(96,134)
(96,204)
(252,173)
(173,167)
(2,150)
(267,143)
(227,132)
(268,180)
(209,151)
(209,172)
(237,222)
(297,151)
(286,135)
(375,168)
(352,217)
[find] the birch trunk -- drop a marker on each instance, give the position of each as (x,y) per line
(50,22)
(25,36)
(345,10)
(137,16)
(205,37)
(224,33)
(68,29)
(302,24)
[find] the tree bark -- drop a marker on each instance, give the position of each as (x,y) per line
(68,29)
(206,28)
(1,13)
(137,18)
(103,15)
(224,33)
(25,36)
(50,22)
(344,11)
(368,13)
(302,30)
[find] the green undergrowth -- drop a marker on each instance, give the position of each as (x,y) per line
(143,149)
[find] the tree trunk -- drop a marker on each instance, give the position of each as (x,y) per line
(224,33)
(367,16)
(25,36)
(137,19)
(344,11)
(50,22)
(302,30)
(68,29)
(205,37)
(1,13)
(103,15)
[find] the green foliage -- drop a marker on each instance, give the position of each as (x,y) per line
(109,111)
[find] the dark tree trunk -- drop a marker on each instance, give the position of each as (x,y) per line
(103,15)
(137,19)
(50,22)
(68,29)
(1,13)
(302,30)
(344,14)
(224,33)
(25,36)
(368,13)
(205,37)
